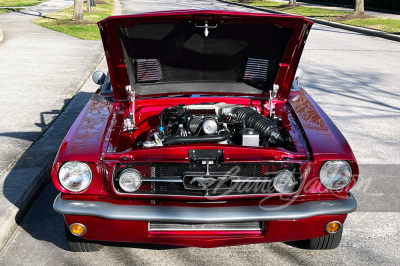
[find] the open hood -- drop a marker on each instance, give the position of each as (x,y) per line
(210,52)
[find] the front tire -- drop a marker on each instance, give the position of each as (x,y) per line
(331,241)
(77,244)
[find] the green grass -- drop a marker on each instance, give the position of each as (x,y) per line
(315,12)
(62,21)
(5,10)
(4,3)
(382,24)
(387,25)
(301,10)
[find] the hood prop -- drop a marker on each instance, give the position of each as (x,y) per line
(272,96)
(129,122)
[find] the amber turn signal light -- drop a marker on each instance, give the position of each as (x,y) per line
(333,227)
(77,229)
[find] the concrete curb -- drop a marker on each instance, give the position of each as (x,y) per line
(385,35)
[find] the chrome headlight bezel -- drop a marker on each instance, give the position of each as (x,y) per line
(290,177)
(135,184)
(336,174)
(75,176)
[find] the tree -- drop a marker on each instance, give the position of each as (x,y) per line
(292,2)
(359,7)
(78,10)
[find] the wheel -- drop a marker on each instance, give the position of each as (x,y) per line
(322,243)
(77,244)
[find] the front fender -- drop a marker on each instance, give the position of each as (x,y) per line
(324,138)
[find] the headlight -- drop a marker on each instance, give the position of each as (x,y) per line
(130,180)
(335,174)
(284,181)
(75,176)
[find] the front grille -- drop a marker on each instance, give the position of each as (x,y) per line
(244,226)
(166,169)
(167,178)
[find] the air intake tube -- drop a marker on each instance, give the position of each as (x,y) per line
(197,139)
(263,125)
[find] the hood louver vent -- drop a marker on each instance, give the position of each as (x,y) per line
(256,69)
(148,70)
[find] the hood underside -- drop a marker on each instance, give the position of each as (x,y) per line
(194,52)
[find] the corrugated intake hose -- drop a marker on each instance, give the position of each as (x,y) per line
(197,139)
(263,125)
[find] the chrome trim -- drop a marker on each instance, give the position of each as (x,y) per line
(178,179)
(126,171)
(208,196)
(76,190)
(172,179)
(239,179)
(326,226)
(206,202)
(245,226)
(84,227)
(203,214)
(341,187)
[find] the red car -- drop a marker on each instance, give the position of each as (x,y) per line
(200,136)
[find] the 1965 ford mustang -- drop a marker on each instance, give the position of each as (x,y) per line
(201,136)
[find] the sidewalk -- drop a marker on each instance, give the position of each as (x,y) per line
(40,70)
(367,12)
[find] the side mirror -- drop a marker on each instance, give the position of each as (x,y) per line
(299,75)
(98,77)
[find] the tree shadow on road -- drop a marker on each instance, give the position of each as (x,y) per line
(34,14)
(44,224)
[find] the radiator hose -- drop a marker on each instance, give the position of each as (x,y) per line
(263,125)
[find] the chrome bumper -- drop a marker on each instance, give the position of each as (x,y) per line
(203,215)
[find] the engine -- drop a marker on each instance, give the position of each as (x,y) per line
(216,123)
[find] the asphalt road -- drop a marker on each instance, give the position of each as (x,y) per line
(355,80)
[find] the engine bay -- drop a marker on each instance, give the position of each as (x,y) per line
(219,123)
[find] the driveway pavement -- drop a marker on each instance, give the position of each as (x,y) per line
(132,6)
(40,70)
